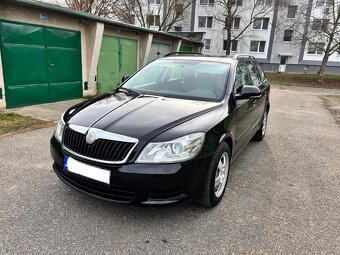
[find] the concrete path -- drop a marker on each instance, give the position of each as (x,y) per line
(282,198)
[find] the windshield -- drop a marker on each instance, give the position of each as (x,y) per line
(189,79)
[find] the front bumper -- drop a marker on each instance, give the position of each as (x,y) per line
(136,183)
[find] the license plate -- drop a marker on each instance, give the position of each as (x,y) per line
(95,173)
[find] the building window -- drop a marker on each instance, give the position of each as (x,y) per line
(153,20)
(233,46)
(257,46)
(179,10)
(236,23)
(263,2)
(261,23)
(207,2)
(325,24)
(287,37)
(316,49)
(320,24)
(178,28)
(132,19)
(291,12)
(316,24)
(237,2)
(205,22)
(154,1)
(207,43)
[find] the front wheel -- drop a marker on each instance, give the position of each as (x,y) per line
(217,177)
(261,132)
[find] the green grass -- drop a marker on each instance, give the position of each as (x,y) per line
(304,80)
(11,123)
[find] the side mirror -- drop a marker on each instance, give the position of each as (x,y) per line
(125,77)
(249,92)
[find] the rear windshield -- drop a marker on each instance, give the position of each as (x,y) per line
(189,79)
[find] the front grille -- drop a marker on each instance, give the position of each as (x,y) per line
(101,149)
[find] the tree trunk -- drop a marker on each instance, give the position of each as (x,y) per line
(228,43)
(228,26)
(322,68)
(325,60)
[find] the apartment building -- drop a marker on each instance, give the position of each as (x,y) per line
(270,37)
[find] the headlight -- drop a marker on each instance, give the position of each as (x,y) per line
(60,129)
(180,149)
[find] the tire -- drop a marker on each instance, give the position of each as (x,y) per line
(211,196)
(261,132)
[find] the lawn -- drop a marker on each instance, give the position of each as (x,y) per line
(11,123)
(304,80)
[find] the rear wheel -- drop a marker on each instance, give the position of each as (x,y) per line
(217,177)
(261,132)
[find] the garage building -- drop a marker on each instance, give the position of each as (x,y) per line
(50,53)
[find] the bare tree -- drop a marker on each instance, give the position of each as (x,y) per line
(163,14)
(321,33)
(102,8)
(238,16)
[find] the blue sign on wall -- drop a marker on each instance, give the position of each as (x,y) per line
(43,17)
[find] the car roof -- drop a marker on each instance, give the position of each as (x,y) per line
(220,59)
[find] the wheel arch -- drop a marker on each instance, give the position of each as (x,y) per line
(229,140)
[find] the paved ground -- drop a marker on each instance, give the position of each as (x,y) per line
(282,198)
(45,111)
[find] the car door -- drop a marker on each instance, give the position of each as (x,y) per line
(244,108)
(259,81)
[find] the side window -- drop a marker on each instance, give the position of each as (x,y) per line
(254,74)
(241,78)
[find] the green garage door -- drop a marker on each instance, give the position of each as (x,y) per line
(40,64)
(118,57)
(185,48)
(158,50)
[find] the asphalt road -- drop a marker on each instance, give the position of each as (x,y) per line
(283,197)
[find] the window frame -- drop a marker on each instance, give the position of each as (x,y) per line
(206,18)
(231,46)
(234,21)
(262,23)
(285,35)
(258,46)
(207,2)
(154,2)
(317,50)
(204,44)
(237,2)
(295,11)
(153,21)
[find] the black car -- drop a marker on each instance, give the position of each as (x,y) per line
(168,132)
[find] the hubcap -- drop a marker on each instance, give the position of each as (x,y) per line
(221,174)
(264,124)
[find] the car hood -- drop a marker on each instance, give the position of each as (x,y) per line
(142,117)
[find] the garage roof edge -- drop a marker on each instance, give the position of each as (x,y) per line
(84,15)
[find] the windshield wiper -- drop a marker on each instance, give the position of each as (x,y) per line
(128,90)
